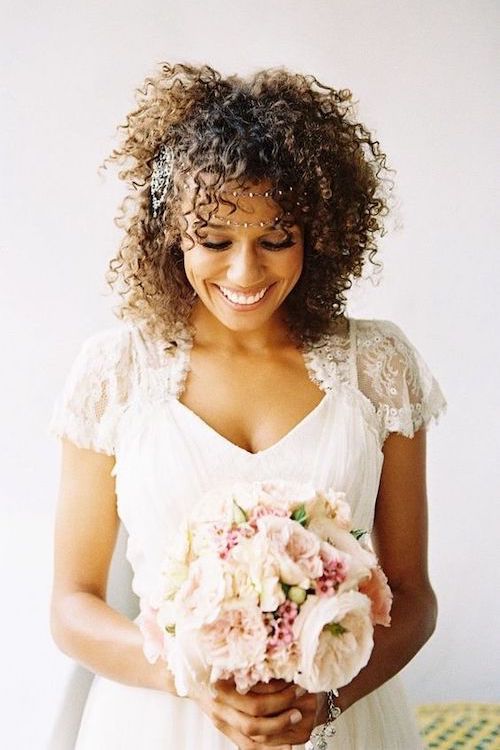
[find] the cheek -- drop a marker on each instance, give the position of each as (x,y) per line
(198,268)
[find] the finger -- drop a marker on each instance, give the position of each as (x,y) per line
(259,704)
(273,686)
(271,729)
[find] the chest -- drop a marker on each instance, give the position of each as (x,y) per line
(252,401)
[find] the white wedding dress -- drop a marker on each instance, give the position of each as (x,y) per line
(121,398)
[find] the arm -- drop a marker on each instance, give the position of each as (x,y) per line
(400,541)
(83,626)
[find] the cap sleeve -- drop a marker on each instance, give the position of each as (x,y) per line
(95,393)
(396,379)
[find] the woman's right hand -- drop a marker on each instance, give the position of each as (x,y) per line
(268,709)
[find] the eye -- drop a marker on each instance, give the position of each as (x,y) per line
(216,245)
(278,246)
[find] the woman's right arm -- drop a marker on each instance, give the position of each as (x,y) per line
(83,625)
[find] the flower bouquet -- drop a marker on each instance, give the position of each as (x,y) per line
(267,580)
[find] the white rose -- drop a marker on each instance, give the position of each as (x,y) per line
(329,660)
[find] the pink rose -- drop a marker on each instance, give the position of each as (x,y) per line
(151,632)
(377,589)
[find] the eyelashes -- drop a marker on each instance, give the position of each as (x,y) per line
(267,245)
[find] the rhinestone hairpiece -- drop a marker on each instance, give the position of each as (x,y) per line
(161,176)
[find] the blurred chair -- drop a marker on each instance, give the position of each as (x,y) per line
(460,726)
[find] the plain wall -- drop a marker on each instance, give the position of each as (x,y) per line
(425,75)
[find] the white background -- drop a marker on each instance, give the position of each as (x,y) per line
(424,73)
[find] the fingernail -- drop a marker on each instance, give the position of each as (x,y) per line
(300,691)
(295,717)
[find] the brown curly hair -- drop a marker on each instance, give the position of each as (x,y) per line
(277,125)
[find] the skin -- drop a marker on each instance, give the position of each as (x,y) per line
(259,390)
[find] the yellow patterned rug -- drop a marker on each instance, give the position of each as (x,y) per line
(460,726)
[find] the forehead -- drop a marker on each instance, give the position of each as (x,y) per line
(244,200)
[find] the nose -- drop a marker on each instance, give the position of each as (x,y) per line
(245,268)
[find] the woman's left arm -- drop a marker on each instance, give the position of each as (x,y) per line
(400,541)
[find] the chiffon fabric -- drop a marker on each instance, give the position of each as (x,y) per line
(122,398)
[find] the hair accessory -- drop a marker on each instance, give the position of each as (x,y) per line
(161,176)
(255,193)
(231,223)
(321,733)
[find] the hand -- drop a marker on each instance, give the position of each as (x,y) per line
(262,718)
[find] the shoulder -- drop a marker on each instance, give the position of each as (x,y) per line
(370,333)
(394,376)
(108,342)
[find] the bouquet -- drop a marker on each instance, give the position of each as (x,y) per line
(267,580)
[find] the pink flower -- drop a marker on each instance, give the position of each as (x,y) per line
(377,589)
(236,641)
(151,631)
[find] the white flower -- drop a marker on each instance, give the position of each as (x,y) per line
(200,596)
(294,549)
(343,540)
(186,659)
(251,558)
(333,505)
(335,636)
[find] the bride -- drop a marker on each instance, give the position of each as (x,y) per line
(252,206)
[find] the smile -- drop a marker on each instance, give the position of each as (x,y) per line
(242,299)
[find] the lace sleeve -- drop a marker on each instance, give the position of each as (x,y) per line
(95,392)
(396,379)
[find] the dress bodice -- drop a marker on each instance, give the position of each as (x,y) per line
(122,398)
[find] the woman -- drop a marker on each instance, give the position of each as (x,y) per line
(253,204)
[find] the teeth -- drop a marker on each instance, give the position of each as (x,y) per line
(243,299)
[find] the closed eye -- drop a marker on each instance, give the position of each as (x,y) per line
(267,245)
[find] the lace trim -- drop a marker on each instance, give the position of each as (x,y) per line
(395,378)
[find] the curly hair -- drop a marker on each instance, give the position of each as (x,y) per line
(284,127)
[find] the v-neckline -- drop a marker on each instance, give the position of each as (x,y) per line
(184,367)
(288,435)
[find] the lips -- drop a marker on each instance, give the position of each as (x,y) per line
(242,301)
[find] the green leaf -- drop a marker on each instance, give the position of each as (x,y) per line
(358,533)
(335,628)
(286,588)
(239,515)
(300,515)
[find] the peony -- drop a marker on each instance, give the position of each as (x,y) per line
(377,589)
(335,637)
(235,642)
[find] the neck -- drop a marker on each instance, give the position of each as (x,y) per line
(210,332)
